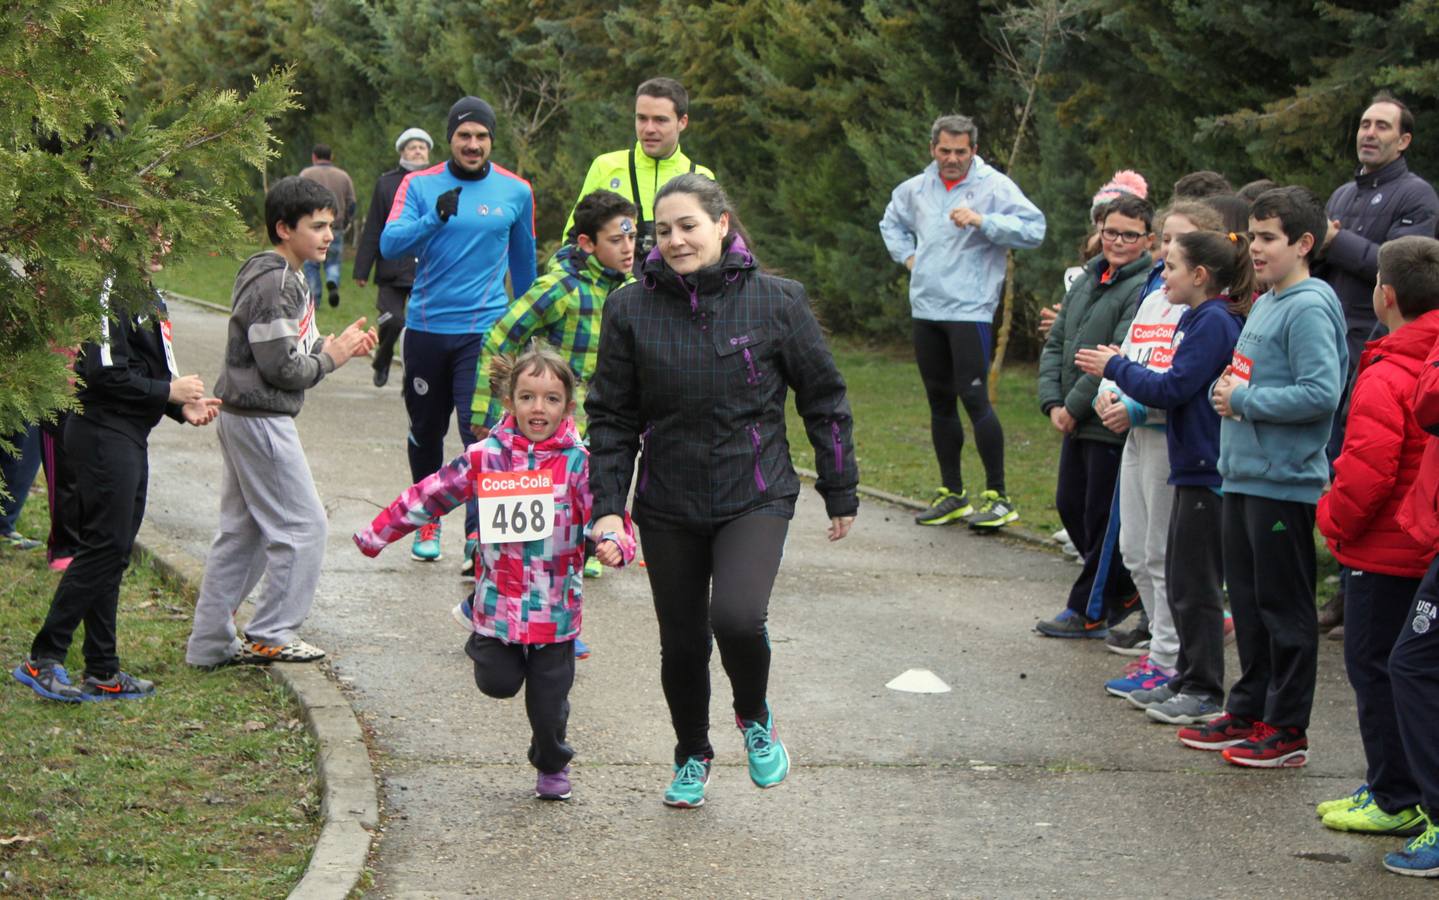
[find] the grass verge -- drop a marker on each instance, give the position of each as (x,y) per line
(207,789)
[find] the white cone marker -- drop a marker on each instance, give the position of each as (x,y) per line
(918,681)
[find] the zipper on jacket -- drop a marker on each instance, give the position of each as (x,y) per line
(755,442)
(644,460)
(838,446)
(753,376)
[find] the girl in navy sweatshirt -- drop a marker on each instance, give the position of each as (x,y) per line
(1209,273)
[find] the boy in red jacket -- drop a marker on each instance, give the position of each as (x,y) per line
(1359,516)
(1414,661)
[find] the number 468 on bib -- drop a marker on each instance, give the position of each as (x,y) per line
(515,506)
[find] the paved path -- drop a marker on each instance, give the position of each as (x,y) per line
(1025,780)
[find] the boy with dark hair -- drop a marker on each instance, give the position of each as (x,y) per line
(1278,399)
(1201,185)
(129,380)
(1383,446)
(271,520)
(1096,311)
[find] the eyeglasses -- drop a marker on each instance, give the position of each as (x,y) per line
(1124,237)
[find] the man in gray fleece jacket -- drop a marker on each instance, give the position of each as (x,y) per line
(271,520)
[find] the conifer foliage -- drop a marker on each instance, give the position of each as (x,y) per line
(93,180)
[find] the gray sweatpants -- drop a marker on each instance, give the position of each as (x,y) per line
(271,523)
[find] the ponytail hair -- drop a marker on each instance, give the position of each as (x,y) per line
(538,359)
(1226,257)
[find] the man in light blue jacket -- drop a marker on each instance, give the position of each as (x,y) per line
(952,226)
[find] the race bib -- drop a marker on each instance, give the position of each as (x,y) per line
(309,331)
(1241,367)
(167,338)
(515,506)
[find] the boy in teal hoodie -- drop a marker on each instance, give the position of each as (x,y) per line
(1278,399)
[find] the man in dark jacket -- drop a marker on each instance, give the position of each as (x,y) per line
(1383,201)
(129,380)
(393,277)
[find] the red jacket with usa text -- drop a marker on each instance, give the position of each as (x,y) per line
(1383,445)
(1420,514)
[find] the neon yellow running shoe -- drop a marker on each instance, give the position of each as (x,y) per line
(1372,819)
(1358,798)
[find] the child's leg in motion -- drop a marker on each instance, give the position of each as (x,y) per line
(679,565)
(499,667)
(1376,610)
(549,674)
(284,504)
(1194,574)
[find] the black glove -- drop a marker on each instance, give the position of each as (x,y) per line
(447,204)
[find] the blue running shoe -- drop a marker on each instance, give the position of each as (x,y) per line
(1145,677)
(472,546)
(1420,857)
(582,650)
(120,686)
(768,760)
(48,679)
(687,790)
(1069,624)
(464,614)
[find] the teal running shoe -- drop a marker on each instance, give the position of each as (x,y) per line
(1420,857)
(426,547)
(768,760)
(687,791)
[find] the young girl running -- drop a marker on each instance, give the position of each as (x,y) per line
(514,643)
(1210,274)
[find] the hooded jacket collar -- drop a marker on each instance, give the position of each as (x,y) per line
(1412,343)
(515,443)
(733,265)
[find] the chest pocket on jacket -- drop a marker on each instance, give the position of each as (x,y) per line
(742,354)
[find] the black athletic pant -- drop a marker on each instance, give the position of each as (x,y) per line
(111,472)
(1414,677)
(390,300)
(1084,497)
(1270,570)
(1194,575)
(64,500)
(546,671)
(1376,609)
(713,587)
(953,362)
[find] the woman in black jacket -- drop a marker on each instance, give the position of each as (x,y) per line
(695,363)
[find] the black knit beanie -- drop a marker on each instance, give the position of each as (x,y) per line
(469,109)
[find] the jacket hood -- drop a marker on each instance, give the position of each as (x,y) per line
(514,441)
(1411,344)
(736,261)
(258,266)
(574,261)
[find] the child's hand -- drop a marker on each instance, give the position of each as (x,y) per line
(1092,362)
(1223,391)
(1047,315)
(187,389)
(608,552)
(367,543)
(202,411)
(1062,421)
(353,341)
(1115,417)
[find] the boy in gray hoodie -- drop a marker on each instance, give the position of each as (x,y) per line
(1277,400)
(271,520)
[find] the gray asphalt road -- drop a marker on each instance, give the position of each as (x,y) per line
(1025,780)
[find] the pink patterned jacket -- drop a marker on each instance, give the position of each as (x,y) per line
(525,593)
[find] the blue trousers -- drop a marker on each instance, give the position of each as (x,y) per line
(1414,678)
(18,473)
(439,379)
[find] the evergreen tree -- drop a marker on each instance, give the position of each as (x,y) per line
(90,190)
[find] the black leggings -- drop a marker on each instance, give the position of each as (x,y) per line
(953,362)
(713,588)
